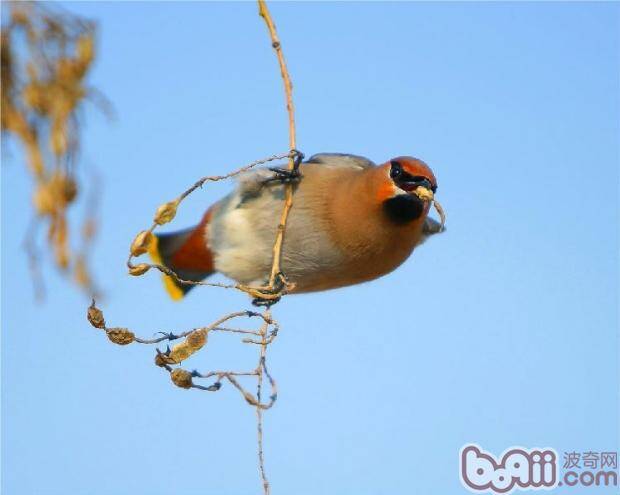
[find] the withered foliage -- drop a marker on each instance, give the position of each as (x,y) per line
(46,57)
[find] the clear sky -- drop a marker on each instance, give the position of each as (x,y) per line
(503,331)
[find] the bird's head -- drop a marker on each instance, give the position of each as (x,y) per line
(404,179)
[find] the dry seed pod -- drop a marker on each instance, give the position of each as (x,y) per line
(161,359)
(140,269)
(179,353)
(181,378)
(141,243)
(166,212)
(120,336)
(197,338)
(95,316)
(193,342)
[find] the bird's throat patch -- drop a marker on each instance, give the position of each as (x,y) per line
(404,208)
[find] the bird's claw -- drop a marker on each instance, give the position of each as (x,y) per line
(264,302)
(287,175)
(284,175)
(298,157)
(272,293)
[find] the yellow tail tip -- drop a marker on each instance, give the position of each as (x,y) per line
(173,290)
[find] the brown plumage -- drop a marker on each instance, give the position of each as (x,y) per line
(351,222)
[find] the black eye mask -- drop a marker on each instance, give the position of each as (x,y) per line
(406,181)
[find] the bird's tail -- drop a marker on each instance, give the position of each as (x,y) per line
(186,253)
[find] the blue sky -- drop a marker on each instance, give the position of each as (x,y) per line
(503,331)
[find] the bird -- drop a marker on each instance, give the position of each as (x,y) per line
(351,221)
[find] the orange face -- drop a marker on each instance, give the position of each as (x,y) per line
(409,173)
(406,174)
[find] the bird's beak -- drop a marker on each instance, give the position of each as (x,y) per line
(425,183)
(412,185)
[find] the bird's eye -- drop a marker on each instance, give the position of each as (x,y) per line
(397,170)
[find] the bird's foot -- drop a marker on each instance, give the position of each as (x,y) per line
(262,302)
(298,157)
(269,295)
(286,175)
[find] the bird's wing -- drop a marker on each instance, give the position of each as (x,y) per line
(340,160)
(251,183)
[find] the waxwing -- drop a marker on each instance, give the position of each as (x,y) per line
(351,221)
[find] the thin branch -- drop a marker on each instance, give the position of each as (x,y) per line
(221,374)
(276,270)
(215,326)
(215,178)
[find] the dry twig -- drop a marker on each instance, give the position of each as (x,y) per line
(288,91)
